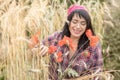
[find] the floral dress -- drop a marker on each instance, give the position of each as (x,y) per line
(82,64)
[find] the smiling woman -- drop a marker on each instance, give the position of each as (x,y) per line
(77,26)
(76,47)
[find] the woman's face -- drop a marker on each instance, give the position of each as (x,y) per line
(77,26)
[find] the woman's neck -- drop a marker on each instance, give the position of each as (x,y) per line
(74,40)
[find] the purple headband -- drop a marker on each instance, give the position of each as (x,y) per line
(75,7)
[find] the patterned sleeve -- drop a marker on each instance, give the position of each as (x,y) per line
(52,39)
(98,60)
(98,56)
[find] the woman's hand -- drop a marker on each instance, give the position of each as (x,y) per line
(40,50)
(43,50)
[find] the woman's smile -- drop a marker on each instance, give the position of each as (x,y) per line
(77,26)
(76,31)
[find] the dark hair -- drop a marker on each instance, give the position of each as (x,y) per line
(83,37)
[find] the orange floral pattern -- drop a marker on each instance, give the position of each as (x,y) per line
(96,58)
(88,33)
(59,57)
(68,41)
(34,40)
(52,49)
(93,39)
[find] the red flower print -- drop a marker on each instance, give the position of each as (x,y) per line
(34,40)
(93,41)
(59,57)
(59,54)
(66,40)
(61,43)
(88,33)
(52,49)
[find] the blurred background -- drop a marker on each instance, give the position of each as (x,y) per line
(21,19)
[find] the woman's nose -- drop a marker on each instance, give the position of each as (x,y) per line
(78,25)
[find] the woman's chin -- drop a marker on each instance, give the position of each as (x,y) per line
(76,35)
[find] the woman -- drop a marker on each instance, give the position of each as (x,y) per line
(78,22)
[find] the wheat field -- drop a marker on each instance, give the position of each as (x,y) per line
(20,19)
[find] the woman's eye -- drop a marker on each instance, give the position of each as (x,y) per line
(75,22)
(83,23)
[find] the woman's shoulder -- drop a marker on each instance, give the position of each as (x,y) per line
(53,37)
(56,34)
(97,47)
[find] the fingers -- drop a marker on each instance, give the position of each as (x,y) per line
(43,50)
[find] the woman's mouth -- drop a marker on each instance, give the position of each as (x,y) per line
(76,31)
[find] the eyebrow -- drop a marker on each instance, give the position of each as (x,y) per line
(77,20)
(83,21)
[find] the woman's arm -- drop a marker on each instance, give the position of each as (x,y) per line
(42,48)
(98,61)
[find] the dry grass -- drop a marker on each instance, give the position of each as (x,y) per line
(19,19)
